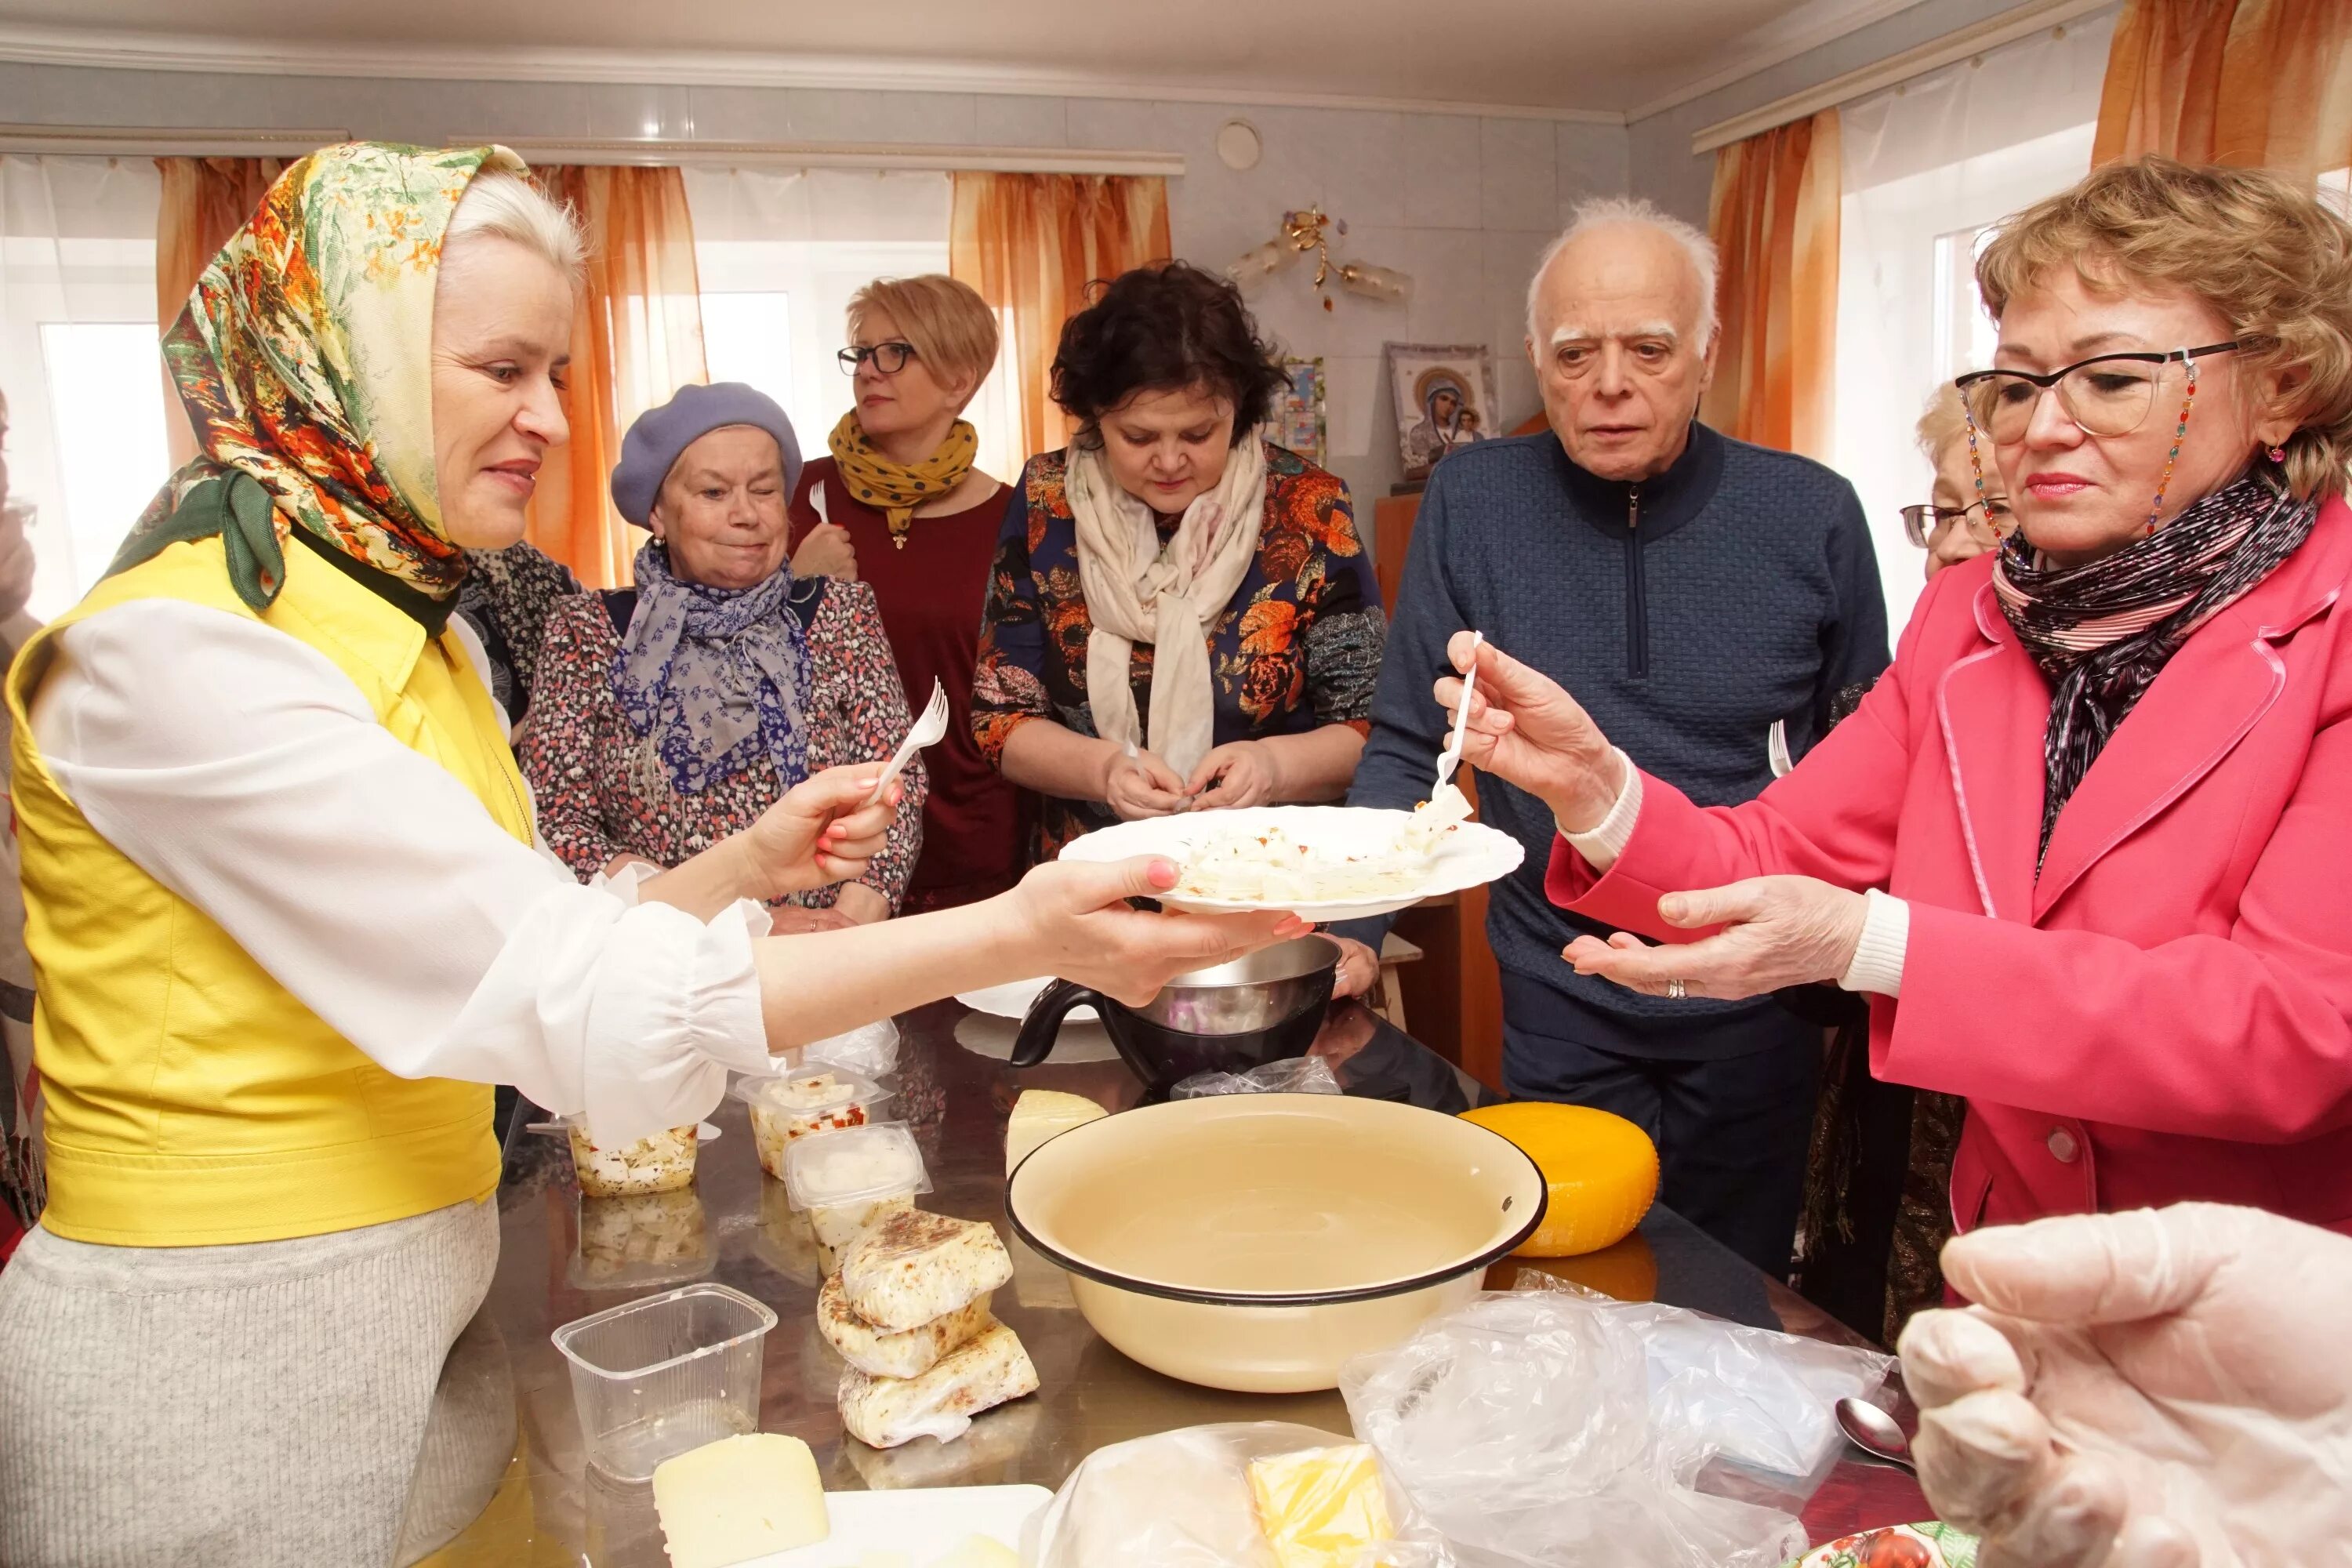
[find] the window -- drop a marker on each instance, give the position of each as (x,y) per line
(1931,168)
(78,361)
(106,410)
(780,253)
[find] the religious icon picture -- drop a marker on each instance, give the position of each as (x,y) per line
(1444,399)
(1300,422)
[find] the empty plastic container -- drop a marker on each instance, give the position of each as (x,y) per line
(658,1376)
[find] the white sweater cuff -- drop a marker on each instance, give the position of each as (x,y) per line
(1602,845)
(1878,964)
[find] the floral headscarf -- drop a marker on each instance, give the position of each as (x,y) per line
(304,359)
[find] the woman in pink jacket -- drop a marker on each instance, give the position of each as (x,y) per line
(2089,842)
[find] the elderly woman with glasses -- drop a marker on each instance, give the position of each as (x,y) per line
(2085,844)
(1955,524)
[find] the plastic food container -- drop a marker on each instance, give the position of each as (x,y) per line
(655,1377)
(872,1051)
(661,1164)
(642,1240)
(814,1099)
(847,1180)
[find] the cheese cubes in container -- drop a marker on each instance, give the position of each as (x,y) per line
(663,1162)
(847,1180)
(814,1099)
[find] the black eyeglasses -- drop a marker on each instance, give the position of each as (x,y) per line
(889,358)
(1920,523)
(2106,395)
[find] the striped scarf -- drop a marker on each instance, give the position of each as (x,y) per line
(2103,630)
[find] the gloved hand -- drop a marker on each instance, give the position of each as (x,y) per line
(2161,1389)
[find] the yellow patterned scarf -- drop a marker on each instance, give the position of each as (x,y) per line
(898,488)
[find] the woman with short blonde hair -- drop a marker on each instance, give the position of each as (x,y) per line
(899,505)
(2084,844)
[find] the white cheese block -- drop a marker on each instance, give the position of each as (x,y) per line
(884,1412)
(914,1266)
(1040,1116)
(740,1498)
(909,1352)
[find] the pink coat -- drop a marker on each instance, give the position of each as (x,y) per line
(2162,1014)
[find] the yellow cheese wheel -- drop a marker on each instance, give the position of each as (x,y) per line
(1601,1171)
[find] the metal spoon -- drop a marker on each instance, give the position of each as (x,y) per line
(1874,1432)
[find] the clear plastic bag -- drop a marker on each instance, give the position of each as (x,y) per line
(1182,1499)
(1521,1428)
(871,1051)
(1294,1075)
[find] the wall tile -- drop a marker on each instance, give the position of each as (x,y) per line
(1592,162)
(619,109)
(1516,184)
(1355,156)
(1441,171)
(1123,122)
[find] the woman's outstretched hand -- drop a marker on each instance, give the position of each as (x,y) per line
(1524,727)
(1778,930)
(1074,921)
(820,833)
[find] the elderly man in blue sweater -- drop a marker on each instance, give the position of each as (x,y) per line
(1699,595)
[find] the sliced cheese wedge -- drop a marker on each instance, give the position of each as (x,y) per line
(1040,1116)
(740,1498)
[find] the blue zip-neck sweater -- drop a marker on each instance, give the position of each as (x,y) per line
(1686,613)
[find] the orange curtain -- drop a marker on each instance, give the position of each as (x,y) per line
(636,338)
(2257,83)
(1031,243)
(1774,217)
(205,201)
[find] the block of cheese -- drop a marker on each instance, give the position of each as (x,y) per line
(738,1499)
(981,1551)
(1040,1116)
(909,1352)
(884,1412)
(914,1266)
(1320,1507)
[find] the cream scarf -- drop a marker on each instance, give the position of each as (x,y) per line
(1138,592)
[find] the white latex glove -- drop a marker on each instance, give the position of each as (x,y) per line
(2161,1389)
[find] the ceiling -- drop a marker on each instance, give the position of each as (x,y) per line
(1606,57)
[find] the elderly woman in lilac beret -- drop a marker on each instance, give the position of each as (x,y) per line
(666,716)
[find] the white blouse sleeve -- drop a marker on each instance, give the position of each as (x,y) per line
(243,771)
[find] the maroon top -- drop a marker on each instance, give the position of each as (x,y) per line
(930,593)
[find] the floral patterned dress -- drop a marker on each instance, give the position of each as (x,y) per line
(1298,648)
(603,790)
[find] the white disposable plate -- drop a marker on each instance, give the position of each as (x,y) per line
(1011,1000)
(1473,854)
(921,1525)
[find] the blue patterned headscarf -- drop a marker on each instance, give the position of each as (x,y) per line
(717,675)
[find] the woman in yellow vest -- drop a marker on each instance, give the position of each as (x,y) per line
(288,919)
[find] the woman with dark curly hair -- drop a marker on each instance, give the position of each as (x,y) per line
(1181,617)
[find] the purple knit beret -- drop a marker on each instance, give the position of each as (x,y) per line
(661,436)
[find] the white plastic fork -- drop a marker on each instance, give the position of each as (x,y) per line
(1450,758)
(926,732)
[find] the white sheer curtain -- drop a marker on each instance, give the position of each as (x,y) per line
(1930,167)
(781,250)
(79,360)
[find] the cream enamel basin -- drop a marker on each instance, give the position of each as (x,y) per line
(1256,1242)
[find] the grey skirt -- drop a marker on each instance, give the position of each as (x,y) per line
(258,1405)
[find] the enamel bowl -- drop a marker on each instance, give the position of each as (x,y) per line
(1257,1242)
